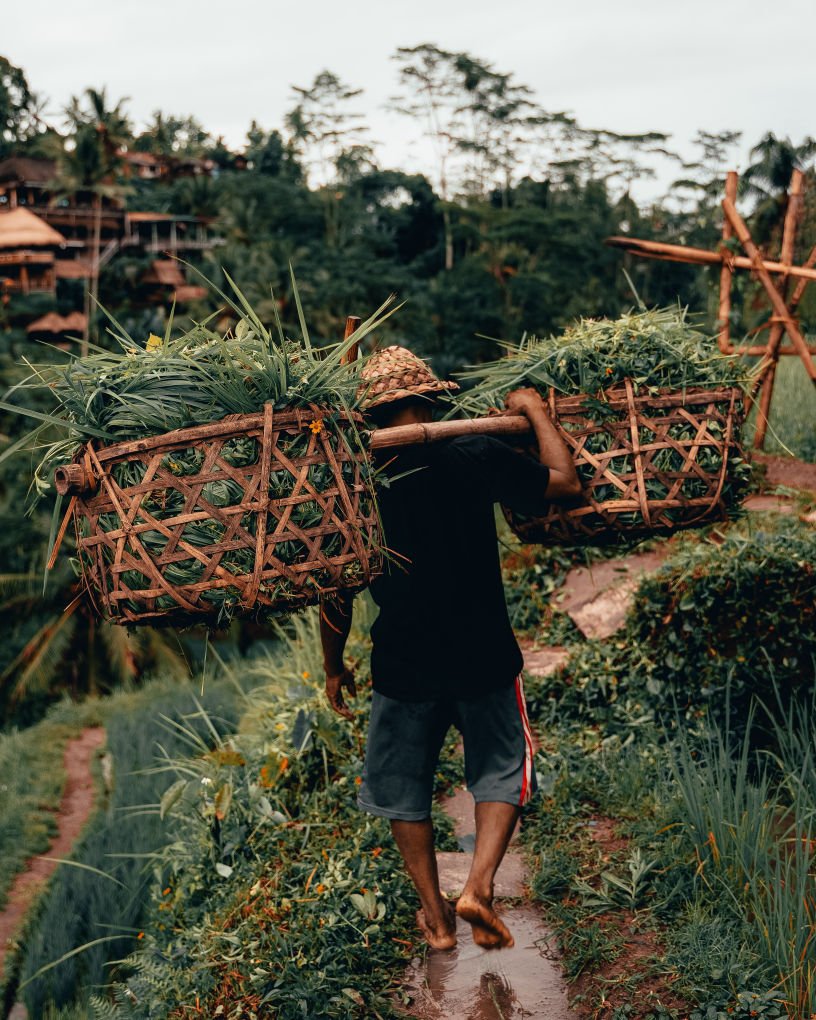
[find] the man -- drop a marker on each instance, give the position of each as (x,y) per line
(443,649)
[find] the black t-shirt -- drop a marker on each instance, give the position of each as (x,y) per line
(443,629)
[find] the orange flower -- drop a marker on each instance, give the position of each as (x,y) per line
(320,888)
(608,370)
(316,426)
(165,891)
(305,674)
(358,781)
(140,935)
(376,851)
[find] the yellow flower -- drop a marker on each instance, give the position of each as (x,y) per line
(316,426)
(153,342)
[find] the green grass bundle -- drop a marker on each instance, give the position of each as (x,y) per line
(658,349)
(682,444)
(152,563)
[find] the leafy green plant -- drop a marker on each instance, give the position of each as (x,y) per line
(707,633)
(200,377)
(192,378)
(273,892)
(654,350)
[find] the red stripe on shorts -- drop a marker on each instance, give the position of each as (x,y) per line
(527,776)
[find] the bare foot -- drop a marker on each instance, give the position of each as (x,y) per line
(439,936)
(489,931)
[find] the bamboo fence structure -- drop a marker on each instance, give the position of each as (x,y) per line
(783,305)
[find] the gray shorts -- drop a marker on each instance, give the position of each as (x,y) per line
(405,738)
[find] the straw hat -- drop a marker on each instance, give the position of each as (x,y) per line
(394,373)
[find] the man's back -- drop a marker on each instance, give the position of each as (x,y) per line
(443,628)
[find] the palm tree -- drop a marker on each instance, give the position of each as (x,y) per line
(71,649)
(90,163)
(768,177)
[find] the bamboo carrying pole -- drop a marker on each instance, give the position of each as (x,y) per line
(435,431)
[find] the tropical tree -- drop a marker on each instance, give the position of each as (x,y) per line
(89,163)
(499,114)
(431,94)
(20,110)
(766,180)
(331,140)
(167,135)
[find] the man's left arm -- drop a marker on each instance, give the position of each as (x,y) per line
(335,626)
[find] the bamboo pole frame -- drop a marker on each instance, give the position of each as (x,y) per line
(774,276)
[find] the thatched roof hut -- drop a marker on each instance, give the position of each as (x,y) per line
(21,228)
(73,322)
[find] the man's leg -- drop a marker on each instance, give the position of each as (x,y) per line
(436,919)
(500,775)
(495,823)
(404,741)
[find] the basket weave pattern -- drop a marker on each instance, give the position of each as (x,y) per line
(656,463)
(300,521)
(395,373)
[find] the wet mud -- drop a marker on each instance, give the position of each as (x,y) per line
(471,983)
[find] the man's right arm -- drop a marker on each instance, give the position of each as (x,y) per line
(335,626)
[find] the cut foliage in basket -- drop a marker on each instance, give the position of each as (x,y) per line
(213,474)
(651,413)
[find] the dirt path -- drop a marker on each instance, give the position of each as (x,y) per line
(796,474)
(75,808)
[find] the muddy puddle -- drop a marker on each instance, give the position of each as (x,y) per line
(470,983)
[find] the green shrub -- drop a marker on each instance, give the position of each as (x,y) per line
(717,625)
(275,895)
(735,607)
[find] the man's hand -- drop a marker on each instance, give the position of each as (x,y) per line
(526,401)
(335,682)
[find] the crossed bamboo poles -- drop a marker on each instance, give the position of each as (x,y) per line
(783,318)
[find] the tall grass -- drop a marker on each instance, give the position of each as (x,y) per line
(793,413)
(81,906)
(751,817)
(31,782)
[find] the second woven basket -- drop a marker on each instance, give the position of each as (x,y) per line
(652,463)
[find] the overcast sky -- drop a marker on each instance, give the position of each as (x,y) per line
(630,65)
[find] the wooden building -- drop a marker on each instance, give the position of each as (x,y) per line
(58,329)
(28,252)
(62,227)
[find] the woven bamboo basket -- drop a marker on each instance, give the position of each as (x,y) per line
(295,518)
(653,463)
